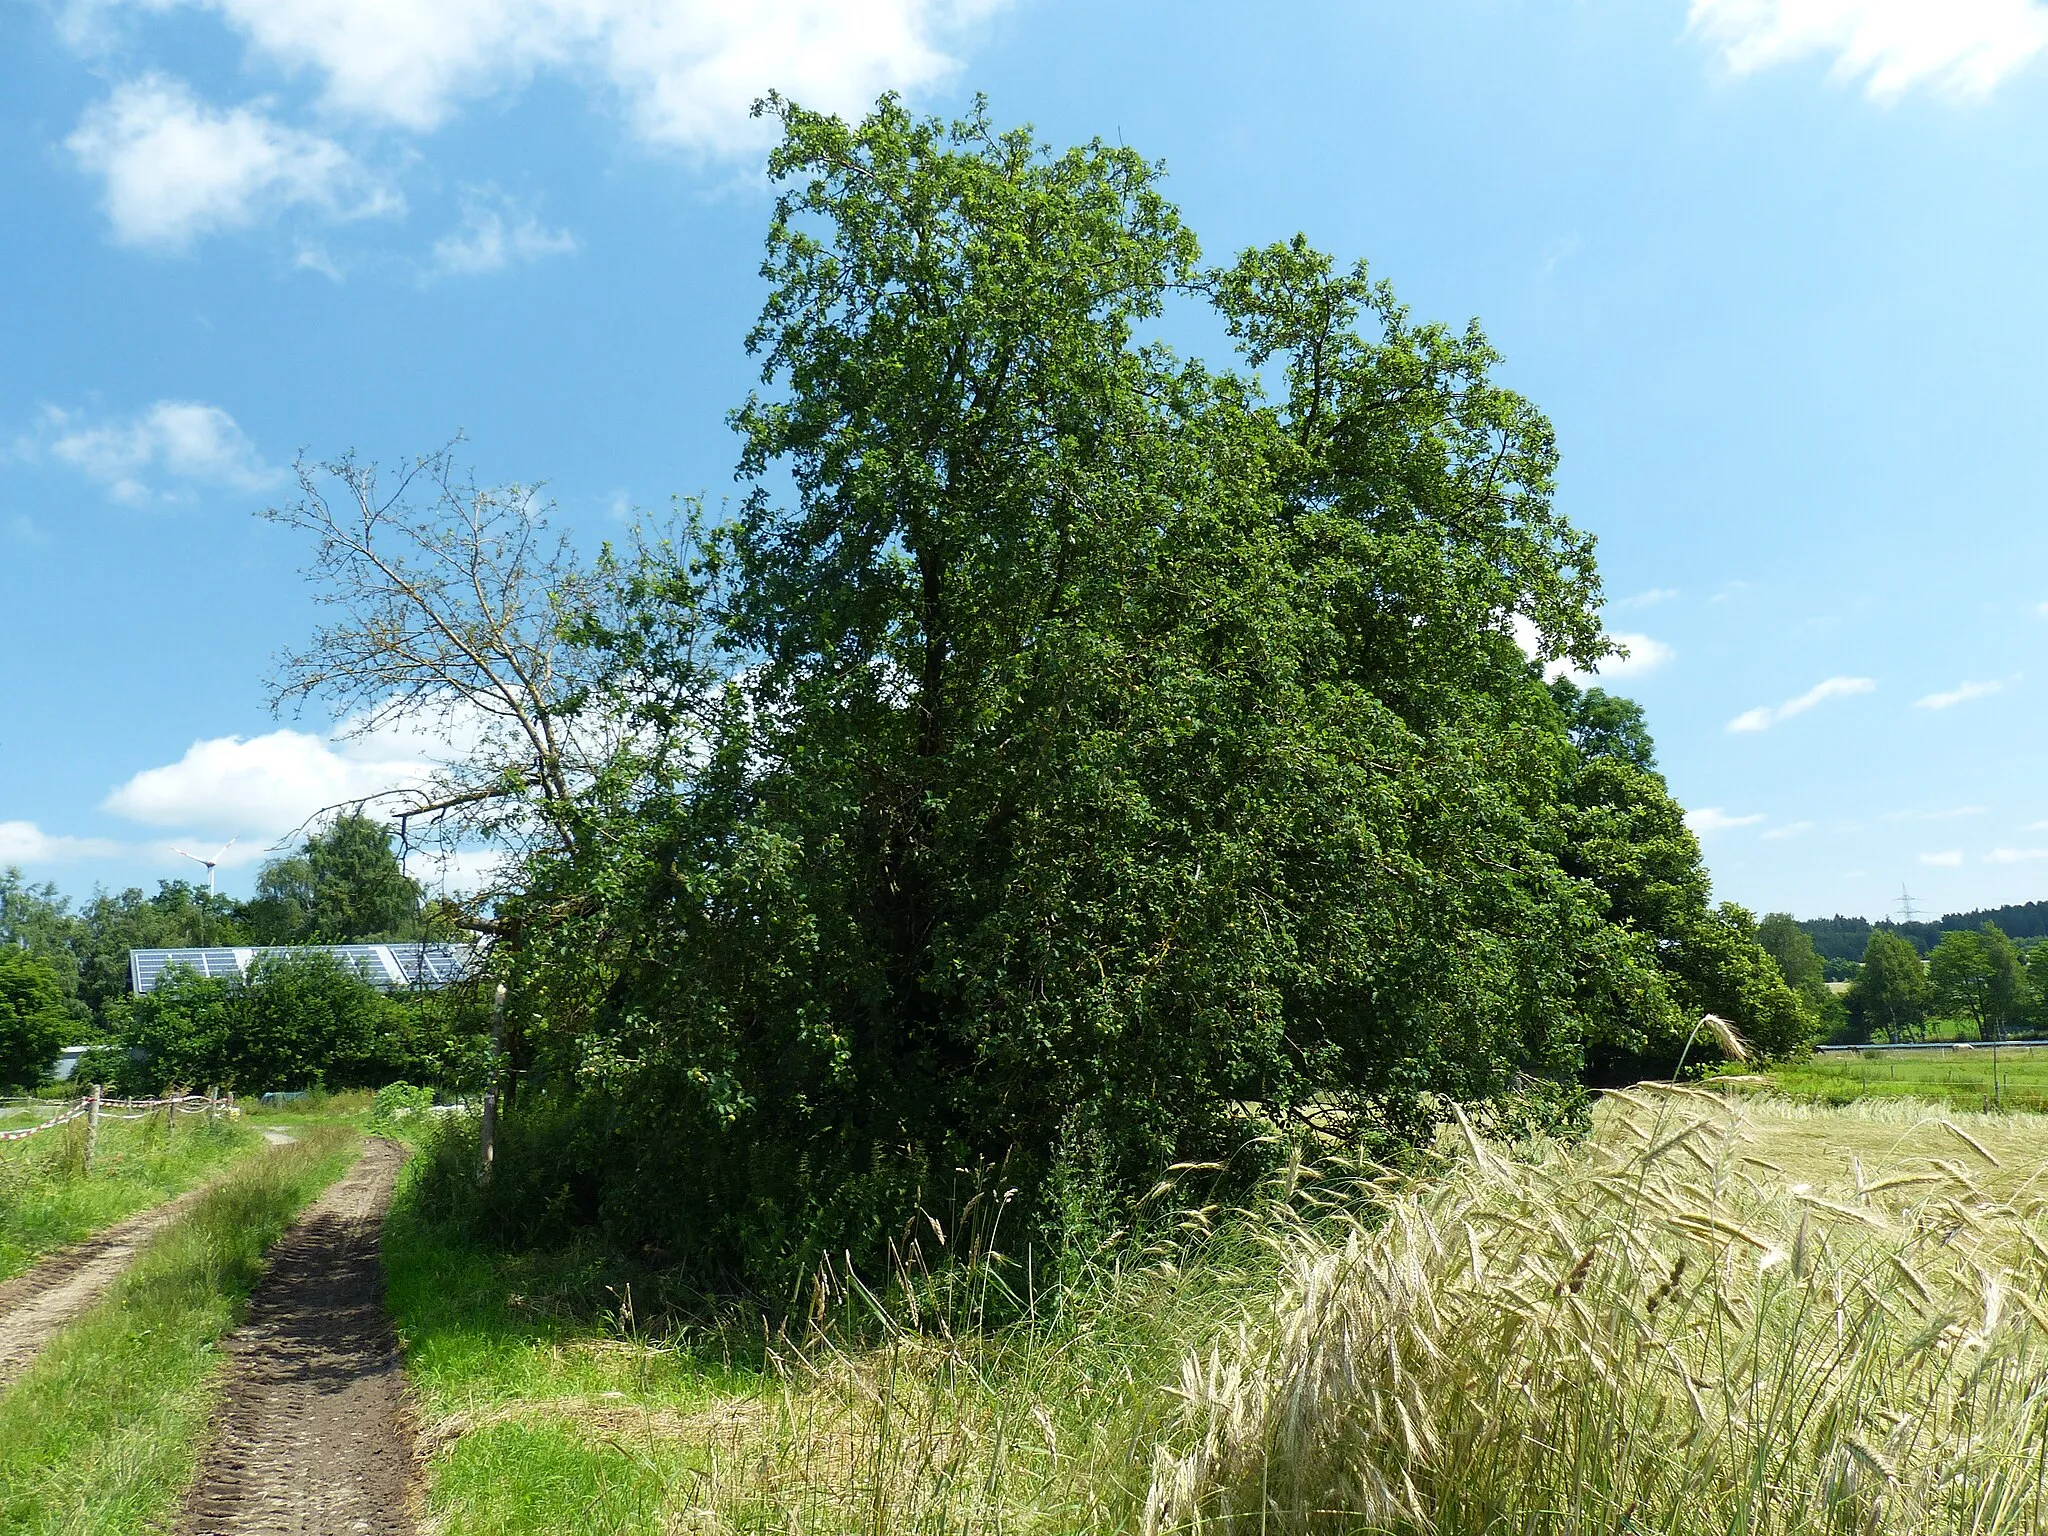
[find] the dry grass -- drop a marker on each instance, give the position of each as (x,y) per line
(1715,1318)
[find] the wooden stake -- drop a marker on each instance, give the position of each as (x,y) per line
(92,1127)
(489,1135)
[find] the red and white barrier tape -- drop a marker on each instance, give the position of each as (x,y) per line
(47,1125)
(144,1107)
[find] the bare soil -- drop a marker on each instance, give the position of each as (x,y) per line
(36,1305)
(312,1437)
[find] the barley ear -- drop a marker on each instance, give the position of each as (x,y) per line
(1731,1043)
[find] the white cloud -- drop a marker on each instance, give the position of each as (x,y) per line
(182,440)
(176,168)
(23,842)
(1790,829)
(459,870)
(2035,826)
(264,787)
(1713,819)
(2014,855)
(1953,813)
(1649,599)
(686,71)
(1644,654)
(1964,47)
(1961,694)
(1764,716)
(1948,858)
(495,233)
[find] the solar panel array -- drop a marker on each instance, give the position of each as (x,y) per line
(146,966)
(385,966)
(432,965)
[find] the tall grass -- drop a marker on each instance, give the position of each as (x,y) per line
(48,1199)
(1667,1331)
(1718,1316)
(101,1434)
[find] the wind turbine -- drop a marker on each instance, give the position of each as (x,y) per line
(209,863)
(206,929)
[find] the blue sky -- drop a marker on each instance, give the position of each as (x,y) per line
(1778,270)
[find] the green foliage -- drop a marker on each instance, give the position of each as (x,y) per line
(1094,751)
(1605,725)
(1841,939)
(343,886)
(1980,976)
(298,1021)
(38,918)
(34,1023)
(1787,943)
(396,1101)
(180,915)
(1725,971)
(1891,995)
(1624,834)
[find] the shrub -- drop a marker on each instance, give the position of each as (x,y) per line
(397,1101)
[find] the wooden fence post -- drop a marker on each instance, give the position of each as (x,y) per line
(92,1126)
(488,1136)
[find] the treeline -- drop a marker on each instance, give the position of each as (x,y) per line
(1073,758)
(1843,939)
(1978,976)
(64,977)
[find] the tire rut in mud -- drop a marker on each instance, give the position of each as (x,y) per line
(311,1437)
(37,1305)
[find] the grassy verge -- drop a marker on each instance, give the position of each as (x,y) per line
(1977,1079)
(101,1434)
(552,1411)
(48,1200)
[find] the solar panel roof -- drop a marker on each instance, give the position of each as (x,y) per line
(388,966)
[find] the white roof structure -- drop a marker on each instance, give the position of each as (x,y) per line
(390,967)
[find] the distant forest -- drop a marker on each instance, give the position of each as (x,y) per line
(1841,938)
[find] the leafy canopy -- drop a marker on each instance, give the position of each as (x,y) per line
(1095,758)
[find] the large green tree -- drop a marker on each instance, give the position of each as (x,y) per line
(1890,995)
(344,885)
(1074,757)
(38,918)
(1788,943)
(1981,977)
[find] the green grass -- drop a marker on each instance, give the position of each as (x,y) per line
(100,1436)
(48,1201)
(1976,1079)
(555,1412)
